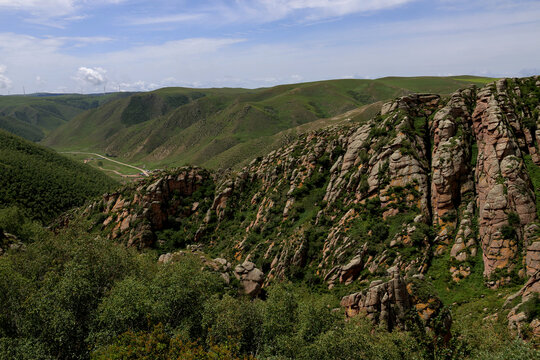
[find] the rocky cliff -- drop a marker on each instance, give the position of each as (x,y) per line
(430,177)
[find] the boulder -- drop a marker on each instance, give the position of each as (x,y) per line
(250,277)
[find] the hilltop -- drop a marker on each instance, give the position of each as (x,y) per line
(227,127)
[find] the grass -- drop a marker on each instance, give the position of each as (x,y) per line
(534,173)
(470,300)
(476,79)
(42,182)
(432,84)
(32,117)
(221,128)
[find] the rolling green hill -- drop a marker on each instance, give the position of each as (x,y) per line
(43,183)
(224,127)
(34,116)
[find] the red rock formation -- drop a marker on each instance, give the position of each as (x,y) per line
(502,183)
(154,201)
(452,186)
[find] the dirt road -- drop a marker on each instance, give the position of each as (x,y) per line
(144,172)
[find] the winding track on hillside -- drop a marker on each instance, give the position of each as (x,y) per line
(144,172)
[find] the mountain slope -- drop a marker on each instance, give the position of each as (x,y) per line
(43,183)
(34,116)
(177,126)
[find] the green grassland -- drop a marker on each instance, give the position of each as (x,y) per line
(34,116)
(220,128)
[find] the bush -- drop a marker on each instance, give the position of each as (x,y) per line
(508,232)
(237,319)
(356,340)
(159,345)
(516,350)
(22,349)
(13,221)
(174,296)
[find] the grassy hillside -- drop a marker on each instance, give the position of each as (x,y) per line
(175,126)
(43,183)
(34,116)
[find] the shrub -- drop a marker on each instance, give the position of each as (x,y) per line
(531,307)
(229,318)
(157,344)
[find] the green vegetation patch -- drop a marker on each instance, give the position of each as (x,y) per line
(43,183)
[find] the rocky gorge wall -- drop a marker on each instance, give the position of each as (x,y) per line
(429,177)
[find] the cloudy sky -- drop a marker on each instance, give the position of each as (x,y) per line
(86,45)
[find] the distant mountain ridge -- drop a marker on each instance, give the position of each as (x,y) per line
(225,127)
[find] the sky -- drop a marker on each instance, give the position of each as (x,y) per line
(88,46)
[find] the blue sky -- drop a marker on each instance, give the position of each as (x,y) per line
(88,45)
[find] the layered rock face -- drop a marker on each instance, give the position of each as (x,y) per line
(451,157)
(385,303)
(452,185)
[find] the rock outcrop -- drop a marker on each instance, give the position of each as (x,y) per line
(532,259)
(385,303)
(251,278)
(505,198)
(397,302)
(9,241)
(135,215)
(452,186)
(428,176)
(520,318)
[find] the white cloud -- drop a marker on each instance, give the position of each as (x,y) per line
(134,68)
(467,42)
(175,18)
(41,10)
(264,11)
(5,82)
(165,58)
(40,7)
(91,76)
(12,44)
(272,10)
